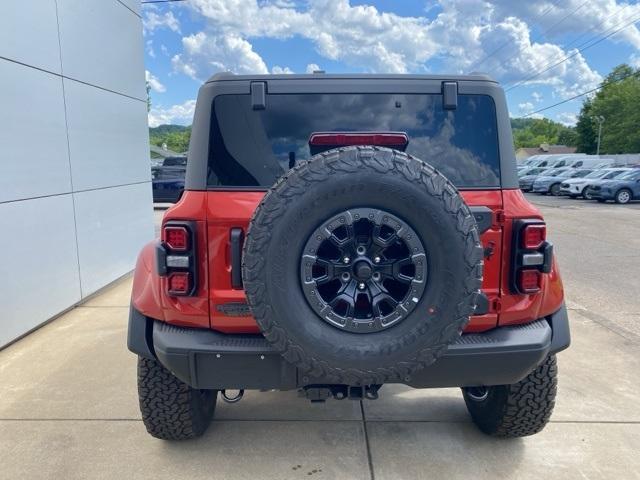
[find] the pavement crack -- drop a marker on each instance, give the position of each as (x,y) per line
(366,441)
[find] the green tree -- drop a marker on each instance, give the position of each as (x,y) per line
(568,136)
(531,132)
(175,136)
(618,101)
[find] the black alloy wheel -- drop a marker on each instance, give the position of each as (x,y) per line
(363,270)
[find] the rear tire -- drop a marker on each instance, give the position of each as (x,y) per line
(171,409)
(516,410)
(555,189)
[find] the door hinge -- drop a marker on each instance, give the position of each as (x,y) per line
(500,218)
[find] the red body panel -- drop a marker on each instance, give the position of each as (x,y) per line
(525,308)
(149,294)
(216,212)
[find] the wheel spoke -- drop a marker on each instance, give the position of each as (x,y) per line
(346,294)
(378,300)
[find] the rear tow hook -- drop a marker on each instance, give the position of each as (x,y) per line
(229,399)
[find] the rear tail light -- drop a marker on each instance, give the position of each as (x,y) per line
(533,236)
(176,238)
(176,258)
(531,257)
(529,280)
(179,283)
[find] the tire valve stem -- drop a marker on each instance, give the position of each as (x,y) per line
(376,259)
(346,260)
(361,286)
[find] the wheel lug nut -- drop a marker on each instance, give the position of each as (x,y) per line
(376,259)
(361,286)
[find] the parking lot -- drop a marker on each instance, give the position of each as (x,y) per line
(68,403)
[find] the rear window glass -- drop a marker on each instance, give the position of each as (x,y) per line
(253,148)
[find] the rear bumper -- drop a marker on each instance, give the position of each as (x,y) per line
(212,360)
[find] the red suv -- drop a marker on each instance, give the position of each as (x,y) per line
(341,232)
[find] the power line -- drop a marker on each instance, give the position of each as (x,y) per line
(565,47)
(568,57)
(602,85)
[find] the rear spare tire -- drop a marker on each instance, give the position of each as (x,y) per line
(362,265)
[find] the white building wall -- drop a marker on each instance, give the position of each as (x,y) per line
(75,186)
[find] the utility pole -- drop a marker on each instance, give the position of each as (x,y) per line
(600,120)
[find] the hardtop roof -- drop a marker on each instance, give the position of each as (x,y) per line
(473,77)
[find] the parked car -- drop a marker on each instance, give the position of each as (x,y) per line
(551,183)
(531,171)
(532,160)
(526,181)
(566,160)
(587,162)
(556,160)
(325,256)
(167,179)
(622,189)
(577,187)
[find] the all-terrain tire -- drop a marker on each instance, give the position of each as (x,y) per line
(516,410)
(171,409)
(309,195)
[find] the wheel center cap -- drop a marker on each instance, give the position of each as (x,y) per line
(362,270)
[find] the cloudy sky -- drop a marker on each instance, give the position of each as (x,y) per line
(542,51)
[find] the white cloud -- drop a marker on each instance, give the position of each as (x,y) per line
(181,114)
(537,97)
(154,83)
(568,119)
(359,36)
(526,108)
(557,19)
(312,67)
(204,54)
(149,48)
(276,69)
(463,33)
(634,60)
(152,21)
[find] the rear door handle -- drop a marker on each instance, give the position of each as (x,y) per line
(236,237)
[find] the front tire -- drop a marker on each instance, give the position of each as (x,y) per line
(555,189)
(516,410)
(171,409)
(623,196)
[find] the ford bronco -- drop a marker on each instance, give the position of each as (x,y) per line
(342,232)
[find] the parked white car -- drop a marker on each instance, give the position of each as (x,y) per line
(590,162)
(577,187)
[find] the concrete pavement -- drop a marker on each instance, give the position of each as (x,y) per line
(68,403)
